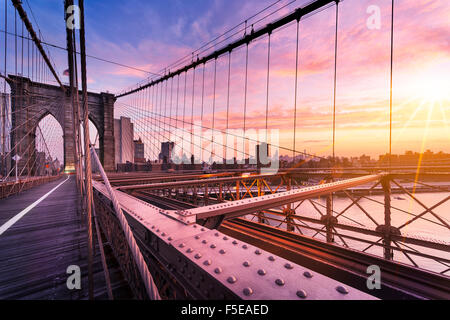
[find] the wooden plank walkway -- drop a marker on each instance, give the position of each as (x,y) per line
(36,250)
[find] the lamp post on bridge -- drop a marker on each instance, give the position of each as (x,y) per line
(16,159)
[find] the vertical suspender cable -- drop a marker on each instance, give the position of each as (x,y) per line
(170,111)
(78,113)
(295,90)
(28,56)
(15,41)
(70,53)
(267,89)
(245,97)
(22,51)
(335,76)
(184,107)
(4,109)
(228,87)
(192,111)
(228,106)
(214,109)
(165,108)
(201,115)
(390,89)
(178,94)
(87,154)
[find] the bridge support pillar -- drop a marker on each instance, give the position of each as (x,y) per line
(32,101)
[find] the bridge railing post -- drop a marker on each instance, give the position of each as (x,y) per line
(388,252)
(329,217)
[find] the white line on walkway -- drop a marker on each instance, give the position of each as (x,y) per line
(18,216)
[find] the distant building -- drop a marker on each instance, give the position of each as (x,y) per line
(123,136)
(139,154)
(262,158)
(166,151)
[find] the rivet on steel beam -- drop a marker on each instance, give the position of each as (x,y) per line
(308,274)
(231,279)
(153,227)
(222,251)
(262,272)
(181,245)
(271,258)
(170,238)
(244,246)
(212,246)
(198,256)
(235,242)
(288,266)
(301,294)
(204,241)
(342,289)
(248,291)
(216,234)
(195,226)
(279,282)
(163,234)
(246,264)
(207,262)
(225,238)
(218,270)
(258,252)
(157,230)
(202,229)
(197,237)
(189,250)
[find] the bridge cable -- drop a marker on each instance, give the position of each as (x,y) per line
(192,111)
(228,101)
(295,90)
(390,83)
(245,95)
(267,90)
(203,97)
(184,103)
(150,286)
(214,111)
(335,76)
(155,115)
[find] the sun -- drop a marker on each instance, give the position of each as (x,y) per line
(433,86)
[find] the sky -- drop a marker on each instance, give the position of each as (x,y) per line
(151,35)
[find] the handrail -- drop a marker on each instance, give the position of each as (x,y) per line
(150,286)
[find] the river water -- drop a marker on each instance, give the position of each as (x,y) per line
(429,227)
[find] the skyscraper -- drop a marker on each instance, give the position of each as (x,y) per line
(123,136)
(166,151)
(139,154)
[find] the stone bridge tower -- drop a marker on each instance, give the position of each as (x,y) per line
(32,101)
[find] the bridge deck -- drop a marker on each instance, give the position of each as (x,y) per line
(38,243)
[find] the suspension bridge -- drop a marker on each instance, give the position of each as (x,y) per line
(214,215)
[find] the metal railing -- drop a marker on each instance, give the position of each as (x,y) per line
(151,289)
